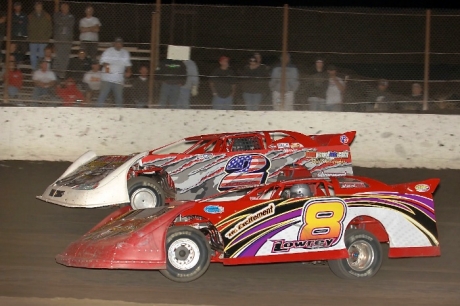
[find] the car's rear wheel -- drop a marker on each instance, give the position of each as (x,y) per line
(365,256)
(188,254)
(145,192)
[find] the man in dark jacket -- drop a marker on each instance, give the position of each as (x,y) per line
(19,31)
(78,66)
(140,88)
(253,83)
(223,85)
(63,35)
(39,29)
(317,84)
(173,75)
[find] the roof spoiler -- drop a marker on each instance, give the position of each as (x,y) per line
(426,186)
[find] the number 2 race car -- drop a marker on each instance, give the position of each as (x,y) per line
(342,220)
(198,167)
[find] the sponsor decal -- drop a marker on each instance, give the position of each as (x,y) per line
(296,145)
(332,154)
(352,185)
(282,246)
(344,139)
(204,156)
(214,209)
(422,187)
(330,174)
(283,145)
(251,219)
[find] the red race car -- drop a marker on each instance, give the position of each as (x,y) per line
(342,220)
(197,167)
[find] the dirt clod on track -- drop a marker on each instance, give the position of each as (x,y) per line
(32,232)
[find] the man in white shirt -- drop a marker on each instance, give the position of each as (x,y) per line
(335,90)
(44,80)
(116,65)
(89,32)
(92,81)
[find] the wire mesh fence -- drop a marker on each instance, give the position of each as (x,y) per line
(372,60)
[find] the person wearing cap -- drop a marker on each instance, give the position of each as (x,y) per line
(92,81)
(19,31)
(39,29)
(44,81)
(291,86)
(64,23)
(317,84)
(89,32)
(78,66)
(223,85)
(335,91)
(116,65)
(380,98)
(253,83)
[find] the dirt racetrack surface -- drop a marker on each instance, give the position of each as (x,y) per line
(32,232)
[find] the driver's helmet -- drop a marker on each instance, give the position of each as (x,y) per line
(300,191)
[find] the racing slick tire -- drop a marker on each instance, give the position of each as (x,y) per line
(188,254)
(145,192)
(365,256)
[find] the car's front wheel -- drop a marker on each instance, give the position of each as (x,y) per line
(145,192)
(365,256)
(188,254)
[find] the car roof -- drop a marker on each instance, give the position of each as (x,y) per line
(235,134)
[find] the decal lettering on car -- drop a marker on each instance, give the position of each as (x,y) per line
(245,170)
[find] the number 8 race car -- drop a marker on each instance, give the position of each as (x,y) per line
(342,220)
(205,166)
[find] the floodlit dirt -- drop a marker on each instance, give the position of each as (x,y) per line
(32,232)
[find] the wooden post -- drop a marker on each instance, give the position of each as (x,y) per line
(284,55)
(154,45)
(427,60)
(7,51)
(56,6)
(172,22)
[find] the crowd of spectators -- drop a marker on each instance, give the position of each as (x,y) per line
(91,77)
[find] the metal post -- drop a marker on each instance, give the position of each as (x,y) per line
(56,6)
(158,29)
(284,55)
(427,60)
(172,23)
(7,51)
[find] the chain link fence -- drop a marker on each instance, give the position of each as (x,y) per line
(373,60)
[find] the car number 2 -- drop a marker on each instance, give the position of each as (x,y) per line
(245,170)
(322,219)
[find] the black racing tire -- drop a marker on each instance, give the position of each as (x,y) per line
(365,256)
(188,254)
(145,192)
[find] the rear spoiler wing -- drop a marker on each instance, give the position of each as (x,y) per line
(423,187)
(334,139)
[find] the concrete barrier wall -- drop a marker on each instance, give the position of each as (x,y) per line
(383,140)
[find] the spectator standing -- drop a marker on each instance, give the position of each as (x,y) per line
(292,84)
(140,88)
(44,80)
(223,85)
(173,75)
(15,80)
(335,90)
(254,83)
(69,93)
(258,58)
(39,29)
(64,23)
(415,101)
(317,86)
(191,85)
(78,66)
(89,32)
(92,81)
(381,99)
(116,63)
(19,31)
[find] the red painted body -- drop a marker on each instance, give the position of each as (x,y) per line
(125,240)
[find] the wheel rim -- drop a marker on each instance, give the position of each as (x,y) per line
(143,198)
(183,254)
(361,256)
